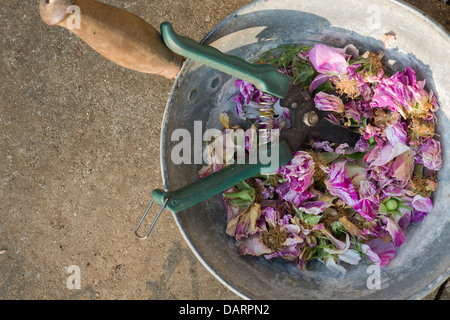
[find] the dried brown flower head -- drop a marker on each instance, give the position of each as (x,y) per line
(344,85)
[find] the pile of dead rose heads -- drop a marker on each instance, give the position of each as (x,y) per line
(331,202)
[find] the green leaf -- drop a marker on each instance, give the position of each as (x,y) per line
(363,121)
(338,228)
(357,243)
(402,205)
(310,219)
(246,194)
(383,209)
(372,143)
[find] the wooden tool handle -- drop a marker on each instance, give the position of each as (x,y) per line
(118,35)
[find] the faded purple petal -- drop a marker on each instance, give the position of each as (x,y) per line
(244,223)
(417,216)
(362,145)
(396,133)
(314,207)
(393,189)
(394,230)
(394,92)
(239,99)
(321,78)
(423,204)
(367,189)
(351,111)
(339,184)
(247,90)
(402,167)
(327,60)
(299,171)
(292,196)
(343,148)
(340,245)
(247,93)
(271,215)
(292,228)
(325,145)
(253,245)
(232,211)
(389,152)
(405,220)
(371,132)
(431,154)
(379,251)
(266,191)
(365,108)
(290,250)
(296,198)
(367,208)
(328,102)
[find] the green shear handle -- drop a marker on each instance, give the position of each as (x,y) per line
(263,76)
(266,78)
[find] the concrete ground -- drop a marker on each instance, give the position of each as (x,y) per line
(79,158)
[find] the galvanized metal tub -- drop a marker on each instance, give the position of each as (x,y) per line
(201,94)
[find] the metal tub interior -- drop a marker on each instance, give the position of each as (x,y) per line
(201,94)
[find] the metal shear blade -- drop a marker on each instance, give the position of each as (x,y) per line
(307,120)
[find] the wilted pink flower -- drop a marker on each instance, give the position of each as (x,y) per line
(249,98)
(339,184)
(299,171)
(431,154)
(425,99)
(394,230)
(393,92)
(401,92)
(423,204)
(271,216)
(325,145)
(266,191)
(252,245)
(292,196)
(290,248)
(368,208)
(328,102)
(379,251)
(314,207)
(396,133)
(391,153)
(421,207)
(244,224)
(328,62)
(351,111)
(387,153)
(368,204)
(402,167)
(247,92)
